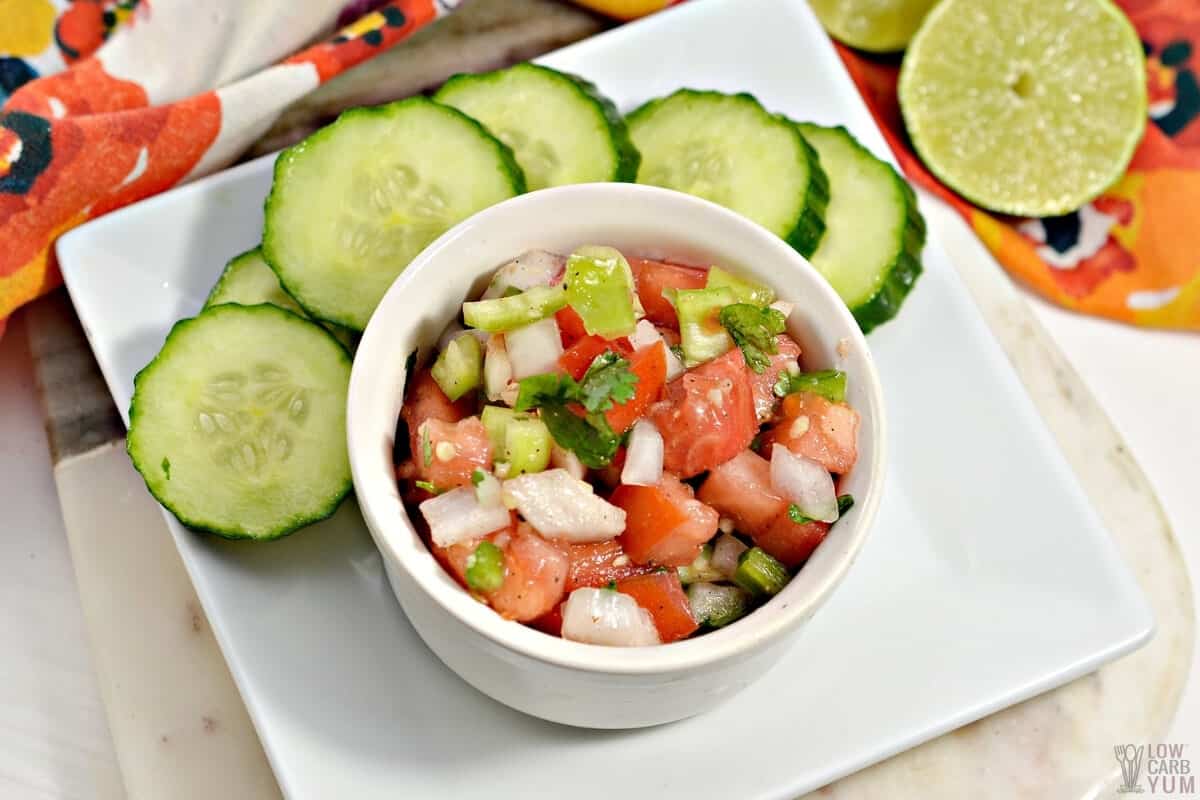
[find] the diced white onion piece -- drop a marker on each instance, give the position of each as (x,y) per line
(488,490)
(804,482)
(455,330)
(643,456)
(561,507)
(725,554)
(534,268)
(497,369)
(644,335)
(783,307)
(566,459)
(457,516)
(675,366)
(510,393)
(602,616)
(452,332)
(533,349)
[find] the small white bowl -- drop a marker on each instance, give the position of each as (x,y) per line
(555,679)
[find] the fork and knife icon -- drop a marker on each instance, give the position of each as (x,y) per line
(1130,759)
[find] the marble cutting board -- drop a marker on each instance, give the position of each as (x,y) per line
(174,711)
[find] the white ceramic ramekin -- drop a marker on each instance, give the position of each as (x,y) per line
(559,680)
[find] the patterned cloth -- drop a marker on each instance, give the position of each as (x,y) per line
(109,101)
(139,95)
(1132,254)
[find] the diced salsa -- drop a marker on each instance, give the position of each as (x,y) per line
(634,454)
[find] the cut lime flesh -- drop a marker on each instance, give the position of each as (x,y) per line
(881,26)
(1025,107)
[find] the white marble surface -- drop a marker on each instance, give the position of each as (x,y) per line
(54,740)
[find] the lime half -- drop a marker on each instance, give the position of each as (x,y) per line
(1023,106)
(881,26)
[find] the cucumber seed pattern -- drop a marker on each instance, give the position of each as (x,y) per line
(394,217)
(698,168)
(249,417)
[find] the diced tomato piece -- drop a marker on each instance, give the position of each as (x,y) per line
(550,622)
(579,356)
(708,415)
(790,542)
(454,558)
(535,571)
(662,595)
(740,489)
(426,400)
(652,277)
(650,366)
(664,524)
(764,384)
(597,563)
(455,450)
(570,326)
(815,428)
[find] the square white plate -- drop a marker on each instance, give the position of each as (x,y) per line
(988,577)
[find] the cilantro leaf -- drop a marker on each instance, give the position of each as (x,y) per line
(607,380)
(589,437)
(540,390)
(753,329)
(477,477)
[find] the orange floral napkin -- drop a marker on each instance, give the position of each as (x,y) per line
(106,102)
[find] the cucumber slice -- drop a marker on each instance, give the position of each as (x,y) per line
(496,420)
(871,252)
(527,446)
(717,605)
(560,127)
(747,291)
(459,368)
(701,333)
(730,150)
(351,205)
(238,426)
(701,568)
(248,280)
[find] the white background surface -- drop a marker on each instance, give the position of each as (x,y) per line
(53,737)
